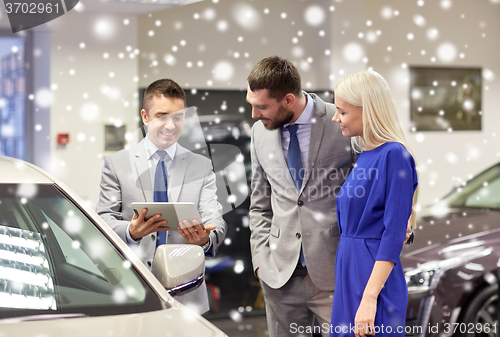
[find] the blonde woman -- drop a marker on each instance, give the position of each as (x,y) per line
(373,208)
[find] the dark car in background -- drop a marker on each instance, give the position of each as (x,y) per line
(451,269)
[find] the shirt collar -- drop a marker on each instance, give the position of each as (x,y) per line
(307,113)
(152,148)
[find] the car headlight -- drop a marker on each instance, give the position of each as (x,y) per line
(427,275)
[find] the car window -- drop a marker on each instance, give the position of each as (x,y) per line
(488,196)
(54,260)
(483,191)
(73,254)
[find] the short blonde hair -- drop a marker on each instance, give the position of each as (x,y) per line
(369,91)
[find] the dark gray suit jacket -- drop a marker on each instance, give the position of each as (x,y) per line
(282,218)
(126,178)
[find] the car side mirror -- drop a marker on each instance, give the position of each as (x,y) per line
(179,268)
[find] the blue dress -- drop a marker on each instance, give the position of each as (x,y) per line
(373,207)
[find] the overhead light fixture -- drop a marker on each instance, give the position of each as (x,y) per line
(172,3)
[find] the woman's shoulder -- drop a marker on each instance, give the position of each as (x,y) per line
(388,154)
(396,153)
(394,148)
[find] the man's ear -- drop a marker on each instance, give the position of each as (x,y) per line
(289,100)
(144,116)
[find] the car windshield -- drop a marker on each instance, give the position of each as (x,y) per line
(483,191)
(53,260)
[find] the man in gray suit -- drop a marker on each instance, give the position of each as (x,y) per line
(129,176)
(294,232)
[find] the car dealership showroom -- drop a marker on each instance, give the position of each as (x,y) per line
(73,87)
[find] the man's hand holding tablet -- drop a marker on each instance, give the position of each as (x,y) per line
(154,216)
(140,227)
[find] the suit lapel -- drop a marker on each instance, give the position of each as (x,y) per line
(142,170)
(180,168)
(317,129)
(276,148)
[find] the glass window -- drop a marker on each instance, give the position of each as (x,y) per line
(483,191)
(12,97)
(487,196)
(72,253)
(54,260)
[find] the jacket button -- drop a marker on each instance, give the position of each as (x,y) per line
(149,263)
(298,235)
(153,236)
(300,203)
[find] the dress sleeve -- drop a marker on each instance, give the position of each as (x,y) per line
(399,188)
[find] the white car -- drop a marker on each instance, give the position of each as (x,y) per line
(64,272)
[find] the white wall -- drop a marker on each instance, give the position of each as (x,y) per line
(320,58)
(347,20)
(70,94)
(81,105)
(344,21)
(463,25)
(229,37)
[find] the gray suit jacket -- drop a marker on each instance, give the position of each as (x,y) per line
(282,218)
(126,178)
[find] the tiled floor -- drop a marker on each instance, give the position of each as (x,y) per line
(254,326)
(250,326)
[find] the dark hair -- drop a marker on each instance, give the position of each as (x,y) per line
(278,75)
(164,87)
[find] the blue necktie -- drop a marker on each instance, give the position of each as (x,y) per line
(293,159)
(294,162)
(160,191)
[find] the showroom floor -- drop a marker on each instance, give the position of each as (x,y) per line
(249,327)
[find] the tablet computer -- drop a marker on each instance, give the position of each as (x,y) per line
(173,212)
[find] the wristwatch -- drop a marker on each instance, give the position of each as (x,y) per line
(206,245)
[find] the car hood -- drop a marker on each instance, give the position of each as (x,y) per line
(454,232)
(177,321)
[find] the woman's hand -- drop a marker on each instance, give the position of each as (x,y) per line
(364,321)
